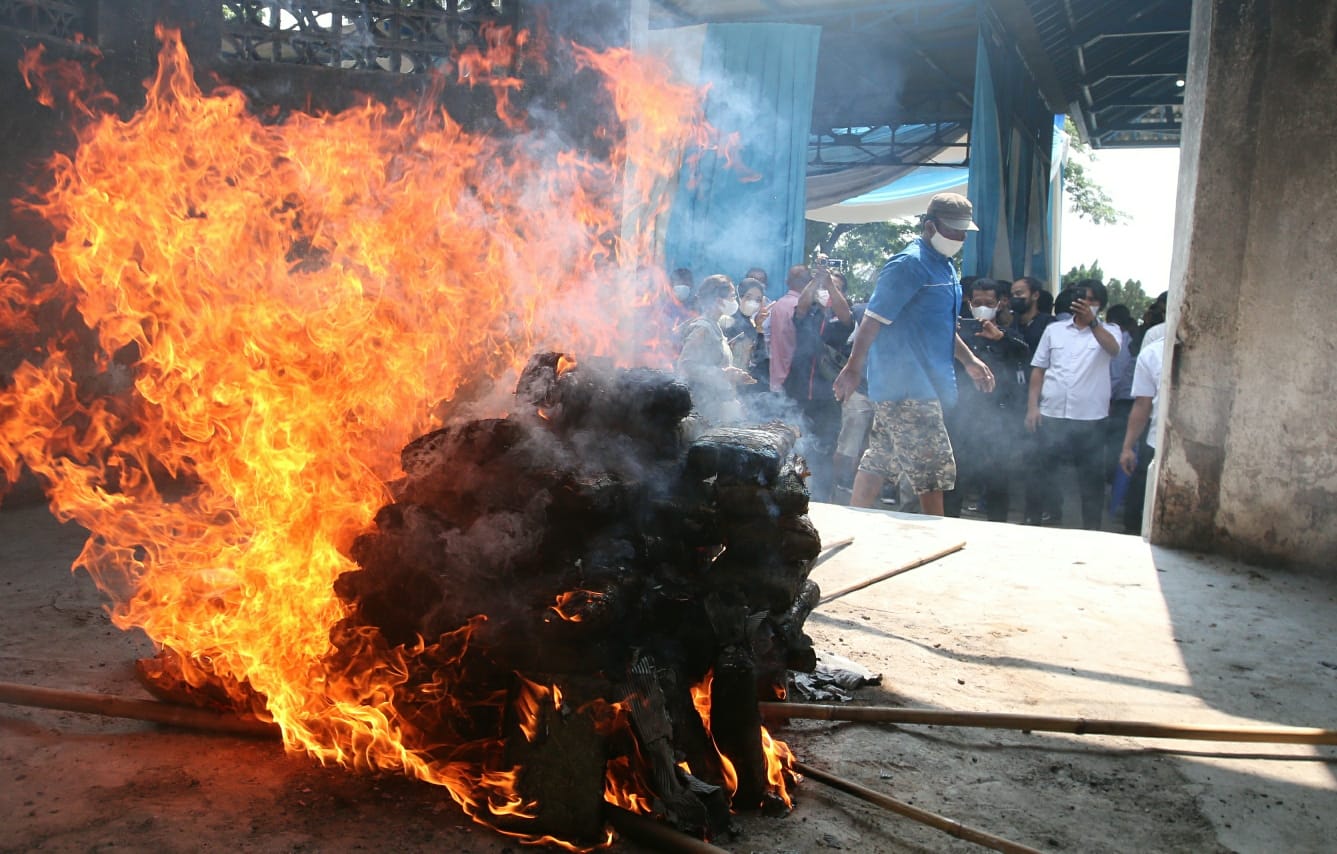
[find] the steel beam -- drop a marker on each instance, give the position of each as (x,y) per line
(1115,27)
(1132,125)
(1017,19)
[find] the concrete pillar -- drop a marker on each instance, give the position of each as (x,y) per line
(1248,461)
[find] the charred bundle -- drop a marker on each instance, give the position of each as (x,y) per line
(581,580)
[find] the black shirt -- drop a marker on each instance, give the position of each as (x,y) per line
(1032,332)
(1008,358)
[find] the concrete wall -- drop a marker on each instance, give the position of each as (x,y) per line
(1248,465)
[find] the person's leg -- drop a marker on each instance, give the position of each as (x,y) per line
(1114,429)
(856,419)
(995,481)
(867,488)
(930,503)
(924,452)
(1134,499)
(877,463)
(1030,466)
(1052,456)
(951,500)
(1089,448)
(827,417)
(812,445)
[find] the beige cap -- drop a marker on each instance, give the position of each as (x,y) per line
(952,210)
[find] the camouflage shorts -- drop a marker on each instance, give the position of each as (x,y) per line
(909,438)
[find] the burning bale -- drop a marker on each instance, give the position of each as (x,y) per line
(616,598)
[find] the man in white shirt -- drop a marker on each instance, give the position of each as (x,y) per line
(1070,395)
(1135,457)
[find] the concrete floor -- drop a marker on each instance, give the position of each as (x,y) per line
(1033,620)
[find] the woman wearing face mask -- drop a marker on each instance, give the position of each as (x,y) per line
(706,362)
(742,330)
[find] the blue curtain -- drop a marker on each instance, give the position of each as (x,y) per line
(1010,151)
(729,217)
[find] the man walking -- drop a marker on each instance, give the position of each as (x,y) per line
(906,344)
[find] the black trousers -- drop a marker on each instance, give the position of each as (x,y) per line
(821,428)
(986,445)
(1135,498)
(1079,445)
(1115,426)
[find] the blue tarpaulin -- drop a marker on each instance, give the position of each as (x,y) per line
(1011,144)
(729,217)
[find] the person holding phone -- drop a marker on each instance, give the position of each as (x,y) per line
(1069,397)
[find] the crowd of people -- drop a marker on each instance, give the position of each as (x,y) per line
(938,394)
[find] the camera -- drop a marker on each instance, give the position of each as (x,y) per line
(835,265)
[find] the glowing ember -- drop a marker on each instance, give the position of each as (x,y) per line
(571,606)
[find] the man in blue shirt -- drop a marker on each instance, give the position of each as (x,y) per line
(909,362)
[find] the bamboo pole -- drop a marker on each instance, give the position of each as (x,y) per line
(124,707)
(656,835)
(947,825)
(831,550)
(1049,723)
(650,832)
(895,572)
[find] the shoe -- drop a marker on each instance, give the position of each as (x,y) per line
(1046,519)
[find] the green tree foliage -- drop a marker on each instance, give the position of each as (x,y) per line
(1086,198)
(1076,274)
(864,247)
(1129,293)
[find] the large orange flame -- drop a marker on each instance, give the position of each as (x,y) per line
(288,301)
(779,758)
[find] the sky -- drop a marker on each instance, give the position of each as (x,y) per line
(1141,183)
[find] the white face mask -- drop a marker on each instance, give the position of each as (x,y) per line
(1095,312)
(824,298)
(751,307)
(728,308)
(983,312)
(682,292)
(944,245)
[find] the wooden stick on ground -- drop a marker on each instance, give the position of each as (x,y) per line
(831,550)
(656,835)
(125,707)
(947,825)
(893,573)
(1049,723)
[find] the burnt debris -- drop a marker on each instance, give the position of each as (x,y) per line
(616,560)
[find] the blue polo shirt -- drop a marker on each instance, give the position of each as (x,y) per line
(918,295)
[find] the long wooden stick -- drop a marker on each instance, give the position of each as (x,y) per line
(1049,723)
(947,825)
(124,707)
(648,831)
(895,572)
(656,835)
(831,550)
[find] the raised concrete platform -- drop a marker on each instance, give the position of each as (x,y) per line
(1025,620)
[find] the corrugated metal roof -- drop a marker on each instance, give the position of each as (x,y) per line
(1121,66)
